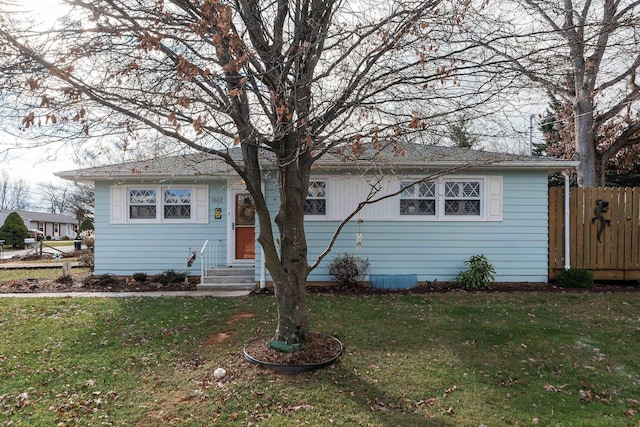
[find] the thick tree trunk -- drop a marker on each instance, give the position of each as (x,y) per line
(293,322)
(585,143)
(288,266)
(289,270)
(290,285)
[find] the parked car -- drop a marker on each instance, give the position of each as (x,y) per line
(36,234)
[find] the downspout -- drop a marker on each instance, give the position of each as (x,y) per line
(262,261)
(567,231)
(262,269)
(531,117)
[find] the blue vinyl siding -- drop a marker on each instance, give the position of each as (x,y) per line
(435,250)
(517,246)
(124,249)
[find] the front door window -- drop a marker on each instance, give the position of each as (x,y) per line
(245,227)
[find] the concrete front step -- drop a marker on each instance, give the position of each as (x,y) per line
(231,271)
(226,286)
(228,279)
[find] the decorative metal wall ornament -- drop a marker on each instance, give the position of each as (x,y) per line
(359,235)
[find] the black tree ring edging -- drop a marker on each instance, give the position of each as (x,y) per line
(294,368)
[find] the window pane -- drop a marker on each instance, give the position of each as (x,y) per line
(462,198)
(142,203)
(426,189)
(316,203)
(421,190)
(142,197)
(177,212)
(417,207)
(177,204)
(471,189)
(142,212)
(177,197)
(451,189)
(315,207)
(462,207)
(317,189)
(418,199)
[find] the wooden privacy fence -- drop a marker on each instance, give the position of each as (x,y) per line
(617,255)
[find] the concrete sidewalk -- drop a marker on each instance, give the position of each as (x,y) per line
(158,294)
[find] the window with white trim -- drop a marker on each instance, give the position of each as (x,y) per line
(158,204)
(316,202)
(142,203)
(418,199)
(151,204)
(462,197)
(177,203)
(445,199)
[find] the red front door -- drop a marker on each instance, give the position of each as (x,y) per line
(245,230)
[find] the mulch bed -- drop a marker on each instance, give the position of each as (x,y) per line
(89,283)
(321,349)
(508,287)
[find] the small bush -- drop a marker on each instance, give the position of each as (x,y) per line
(66,280)
(86,259)
(88,238)
(575,278)
(171,276)
(13,231)
(140,277)
(101,280)
(89,242)
(348,270)
(479,275)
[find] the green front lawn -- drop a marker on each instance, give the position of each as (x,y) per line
(428,360)
(57,243)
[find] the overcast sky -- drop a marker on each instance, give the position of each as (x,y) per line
(33,164)
(35,168)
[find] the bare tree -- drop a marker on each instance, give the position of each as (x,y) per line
(587,53)
(282,80)
(58,196)
(13,193)
(81,201)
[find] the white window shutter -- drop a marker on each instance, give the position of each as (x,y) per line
(117,204)
(201,206)
(494,198)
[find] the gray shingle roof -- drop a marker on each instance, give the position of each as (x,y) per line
(404,156)
(43,217)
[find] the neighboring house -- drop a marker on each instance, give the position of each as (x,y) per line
(151,216)
(57,226)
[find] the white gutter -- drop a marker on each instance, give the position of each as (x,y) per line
(498,165)
(567,231)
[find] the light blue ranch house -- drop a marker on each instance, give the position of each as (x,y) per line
(192,213)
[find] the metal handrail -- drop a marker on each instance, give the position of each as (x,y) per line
(208,258)
(202,260)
